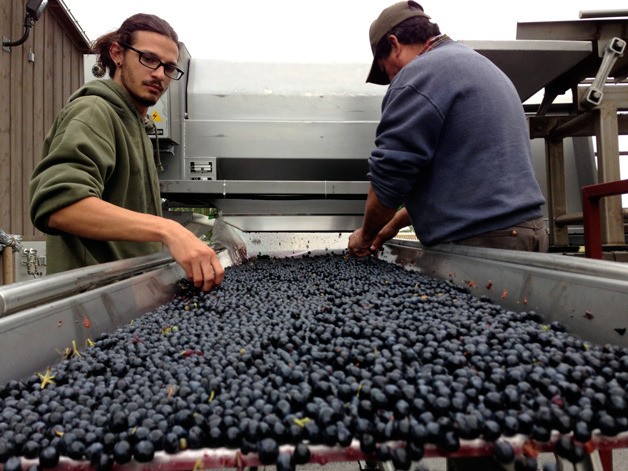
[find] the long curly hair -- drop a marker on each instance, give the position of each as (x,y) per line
(124,34)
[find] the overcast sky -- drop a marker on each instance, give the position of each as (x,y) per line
(315,30)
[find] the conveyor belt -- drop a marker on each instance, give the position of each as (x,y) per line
(587,296)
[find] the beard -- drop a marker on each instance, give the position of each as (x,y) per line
(147,99)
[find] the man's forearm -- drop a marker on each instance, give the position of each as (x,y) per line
(401,219)
(376,215)
(96,219)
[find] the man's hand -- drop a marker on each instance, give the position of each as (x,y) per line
(358,245)
(198,260)
(379,225)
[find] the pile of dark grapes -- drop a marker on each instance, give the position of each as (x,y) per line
(318,350)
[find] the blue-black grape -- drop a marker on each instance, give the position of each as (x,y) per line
(13,464)
(122,452)
(301,454)
(503,452)
(267,450)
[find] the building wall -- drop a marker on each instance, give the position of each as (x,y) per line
(36,78)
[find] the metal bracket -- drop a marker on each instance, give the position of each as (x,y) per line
(6,40)
(13,241)
(32,262)
(593,96)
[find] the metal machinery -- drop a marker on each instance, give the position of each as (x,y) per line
(275,147)
(281,150)
(600,95)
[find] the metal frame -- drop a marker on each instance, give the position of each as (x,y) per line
(606,124)
(596,114)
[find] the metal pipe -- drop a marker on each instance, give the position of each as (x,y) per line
(577,218)
(7,44)
(8,275)
(24,295)
(570,127)
(603,13)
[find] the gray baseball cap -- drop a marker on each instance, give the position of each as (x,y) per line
(387,20)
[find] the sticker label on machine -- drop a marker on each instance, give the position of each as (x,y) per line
(202,168)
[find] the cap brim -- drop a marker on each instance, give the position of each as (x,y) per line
(377,75)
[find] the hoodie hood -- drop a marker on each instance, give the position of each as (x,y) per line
(112,91)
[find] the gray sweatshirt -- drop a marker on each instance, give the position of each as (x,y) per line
(453,147)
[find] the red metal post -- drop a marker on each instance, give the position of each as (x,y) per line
(591,196)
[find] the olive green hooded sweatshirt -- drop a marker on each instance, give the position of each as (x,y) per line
(98,146)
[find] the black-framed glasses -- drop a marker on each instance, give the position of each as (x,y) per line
(153,62)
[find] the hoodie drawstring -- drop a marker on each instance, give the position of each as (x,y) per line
(151,128)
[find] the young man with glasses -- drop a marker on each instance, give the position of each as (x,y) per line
(96,192)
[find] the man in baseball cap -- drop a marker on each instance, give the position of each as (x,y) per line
(453,148)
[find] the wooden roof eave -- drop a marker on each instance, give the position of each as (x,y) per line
(69,24)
